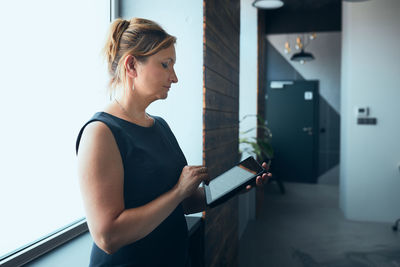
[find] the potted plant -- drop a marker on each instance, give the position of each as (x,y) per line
(259,146)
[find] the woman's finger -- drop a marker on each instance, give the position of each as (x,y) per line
(265,166)
(201,169)
(264,178)
(206,179)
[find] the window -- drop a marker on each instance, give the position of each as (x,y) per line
(53,79)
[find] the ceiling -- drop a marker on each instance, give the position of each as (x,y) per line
(303,16)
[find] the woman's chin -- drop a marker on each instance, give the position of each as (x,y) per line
(161,97)
(164,96)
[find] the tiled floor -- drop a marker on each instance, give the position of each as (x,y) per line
(306,228)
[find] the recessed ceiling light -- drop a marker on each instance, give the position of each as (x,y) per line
(268,4)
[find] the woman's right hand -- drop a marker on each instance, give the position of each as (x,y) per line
(190,179)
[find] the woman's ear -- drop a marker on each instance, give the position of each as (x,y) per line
(130,66)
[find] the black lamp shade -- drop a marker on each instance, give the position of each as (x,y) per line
(302,56)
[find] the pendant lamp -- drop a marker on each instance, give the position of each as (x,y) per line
(302,57)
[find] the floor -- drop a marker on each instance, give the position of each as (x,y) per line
(306,228)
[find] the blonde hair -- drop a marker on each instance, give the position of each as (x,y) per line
(138,37)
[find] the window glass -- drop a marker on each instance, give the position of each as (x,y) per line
(53,78)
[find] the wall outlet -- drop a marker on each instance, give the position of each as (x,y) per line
(362,112)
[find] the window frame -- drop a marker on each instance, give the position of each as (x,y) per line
(45,244)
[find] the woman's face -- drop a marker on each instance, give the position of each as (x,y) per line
(155,75)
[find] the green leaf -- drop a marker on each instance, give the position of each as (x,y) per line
(261,145)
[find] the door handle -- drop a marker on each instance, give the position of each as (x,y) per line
(308,130)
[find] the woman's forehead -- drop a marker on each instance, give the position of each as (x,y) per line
(167,53)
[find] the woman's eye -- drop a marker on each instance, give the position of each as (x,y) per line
(164,65)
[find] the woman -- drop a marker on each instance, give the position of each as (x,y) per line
(134,178)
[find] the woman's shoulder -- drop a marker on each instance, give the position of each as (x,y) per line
(160,120)
(96,132)
(97,129)
(100,124)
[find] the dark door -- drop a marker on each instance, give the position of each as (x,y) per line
(292,116)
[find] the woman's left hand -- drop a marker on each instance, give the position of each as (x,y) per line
(260,180)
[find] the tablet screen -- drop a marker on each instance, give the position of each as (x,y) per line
(232,179)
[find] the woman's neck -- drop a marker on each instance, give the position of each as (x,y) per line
(133,106)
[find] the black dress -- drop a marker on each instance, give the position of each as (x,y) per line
(153,162)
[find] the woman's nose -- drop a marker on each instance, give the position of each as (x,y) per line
(173,77)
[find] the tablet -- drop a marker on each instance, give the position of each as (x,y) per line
(232,181)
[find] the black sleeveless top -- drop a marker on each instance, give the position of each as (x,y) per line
(153,162)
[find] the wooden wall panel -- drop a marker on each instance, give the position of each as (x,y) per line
(222,155)
(221,123)
(217,101)
(223,51)
(220,227)
(222,27)
(215,119)
(261,89)
(215,62)
(218,83)
(215,138)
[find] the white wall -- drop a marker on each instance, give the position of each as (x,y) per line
(247,94)
(370,155)
(183,109)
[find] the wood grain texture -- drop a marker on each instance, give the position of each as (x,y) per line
(217,44)
(219,83)
(261,89)
(220,226)
(221,123)
(224,25)
(217,101)
(215,119)
(214,138)
(215,61)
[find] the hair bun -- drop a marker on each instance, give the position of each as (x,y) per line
(117,29)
